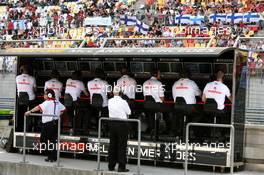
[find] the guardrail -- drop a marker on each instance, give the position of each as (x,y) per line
(58,140)
(123,120)
(232,133)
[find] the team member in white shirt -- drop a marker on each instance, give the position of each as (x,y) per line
(217,90)
(154,88)
(188,90)
(118,109)
(49,131)
(74,87)
(128,86)
(54,84)
(99,86)
(25,83)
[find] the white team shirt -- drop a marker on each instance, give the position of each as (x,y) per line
(187,89)
(128,86)
(26,83)
(74,88)
(154,88)
(55,85)
(118,108)
(48,107)
(99,86)
(217,91)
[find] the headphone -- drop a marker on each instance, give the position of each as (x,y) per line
(49,95)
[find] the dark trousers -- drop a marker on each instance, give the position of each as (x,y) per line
(49,136)
(118,144)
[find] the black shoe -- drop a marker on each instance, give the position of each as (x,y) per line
(47,160)
(110,169)
(50,160)
(123,170)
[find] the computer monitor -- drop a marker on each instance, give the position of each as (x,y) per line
(72,66)
(95,65)
(120,65)
(109,66)
(60,66)
(205,68)
(176,67)
(84,65)
(136,67)
(191,67)
(164,67)
(149,67)
(49,65)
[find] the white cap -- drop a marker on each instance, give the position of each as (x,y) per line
(116,90)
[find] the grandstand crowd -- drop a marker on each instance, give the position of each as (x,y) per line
(93,20)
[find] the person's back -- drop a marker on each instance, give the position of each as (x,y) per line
(26,83)
(127,84)
(54,84)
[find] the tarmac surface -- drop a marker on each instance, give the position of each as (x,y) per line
(90,166)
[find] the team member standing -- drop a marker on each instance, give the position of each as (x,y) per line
(54,84)
(49,131)
(188,90)
(26,84)
(74,88)
(128,86)
(119,109)
(153,92)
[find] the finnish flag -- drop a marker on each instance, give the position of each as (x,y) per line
(128,20)
(251,17)
(217,16)
(196,20)
(234,18)
(183,19)
(142,27)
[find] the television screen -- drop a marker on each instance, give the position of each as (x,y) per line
(176,67)
(72,66)
(95,65)
(109,66)
(149,67)
(136,67)
(222,67)
(191,67)
(120,65)
(60,66)
(85,66)
(164,67)
(49,65)
(205,68)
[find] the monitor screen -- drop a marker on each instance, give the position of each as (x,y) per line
(60,66)
(49,65)
(136,67)
(191,67)
(205,68)
(120,65)
(95,65)
(85,66)
(72,66)
(230,68)
(164,67)
(222,67)
(149,67)
(109,66)
(176,67)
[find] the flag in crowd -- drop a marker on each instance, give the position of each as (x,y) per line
(133,21)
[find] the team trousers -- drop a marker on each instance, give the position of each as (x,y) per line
(118,144)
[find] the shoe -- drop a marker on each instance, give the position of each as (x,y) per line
(50,160)
(110,169)
(123,170)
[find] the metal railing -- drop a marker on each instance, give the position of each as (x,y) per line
(232,134)
(123,120)
(58,140)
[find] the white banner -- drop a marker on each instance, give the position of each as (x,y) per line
(98,21)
